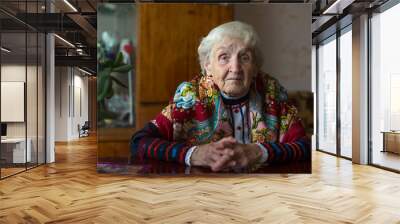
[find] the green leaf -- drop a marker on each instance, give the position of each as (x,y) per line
(105,72)
(118,82)
(100,84)
(107,63)
(122,68)
(104,89)
(110,93)
(103,76)
(118,60)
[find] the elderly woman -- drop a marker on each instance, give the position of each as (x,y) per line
(232,116)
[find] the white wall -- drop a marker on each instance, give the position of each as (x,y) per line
(33,126)
(285,33)
(12,73)
(16,73)
(62,81)
(81,104)
(71,94)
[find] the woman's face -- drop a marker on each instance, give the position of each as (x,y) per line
(231,66)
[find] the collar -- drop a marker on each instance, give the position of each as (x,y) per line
(229,100)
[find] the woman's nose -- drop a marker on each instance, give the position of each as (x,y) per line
(235,65)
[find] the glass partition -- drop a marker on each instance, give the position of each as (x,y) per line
(327,95)
(14,146)
(385,88)
(22,89)
(346,93)
(115,84)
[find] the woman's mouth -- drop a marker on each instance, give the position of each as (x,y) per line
(234,79)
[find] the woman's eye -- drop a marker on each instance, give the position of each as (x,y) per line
(223,58)
(245,58)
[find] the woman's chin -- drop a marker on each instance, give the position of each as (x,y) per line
(236,91)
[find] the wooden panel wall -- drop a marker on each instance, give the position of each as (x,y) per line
(168,38)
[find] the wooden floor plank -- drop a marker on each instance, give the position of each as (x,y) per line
(71,191)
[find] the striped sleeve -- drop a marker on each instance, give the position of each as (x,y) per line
(286,152)
(294,147)
(149,143)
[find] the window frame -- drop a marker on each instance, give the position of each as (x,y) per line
(336,35)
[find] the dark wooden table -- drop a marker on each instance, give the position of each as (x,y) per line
(149,167)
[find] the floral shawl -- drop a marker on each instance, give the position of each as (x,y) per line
(198,115)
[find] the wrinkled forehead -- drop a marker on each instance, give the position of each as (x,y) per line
(231,44)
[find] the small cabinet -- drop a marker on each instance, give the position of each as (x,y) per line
(391,141)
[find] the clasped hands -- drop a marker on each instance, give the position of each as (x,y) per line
(226,154)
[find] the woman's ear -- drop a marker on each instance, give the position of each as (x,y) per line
(207,67)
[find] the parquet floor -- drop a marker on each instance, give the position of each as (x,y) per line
(9,171)
(70,191)
(387,159)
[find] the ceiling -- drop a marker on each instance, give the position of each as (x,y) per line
(332,15)
(73,20)
(78,24)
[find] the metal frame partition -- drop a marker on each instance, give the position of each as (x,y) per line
(338,32)
(36,33)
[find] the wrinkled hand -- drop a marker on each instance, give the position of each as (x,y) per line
(216,155)
(226,153)
(246,155)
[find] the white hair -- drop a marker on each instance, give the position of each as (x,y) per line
(234,29)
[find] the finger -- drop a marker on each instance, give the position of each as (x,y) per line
(225,142)
(226,151)
(244,162)
(232,163)
(220,164)
(228,140)
(215,157)
(225,145)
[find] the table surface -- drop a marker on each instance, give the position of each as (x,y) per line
(390,132)
(167,168)
(13,140)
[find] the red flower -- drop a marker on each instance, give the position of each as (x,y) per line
(201,112)
(180,114)
(128,48)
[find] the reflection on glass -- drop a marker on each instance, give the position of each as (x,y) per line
(115,58)
(327,96)
(346,94)
(116,47)
(23,90)
(15,151)
(385,85)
